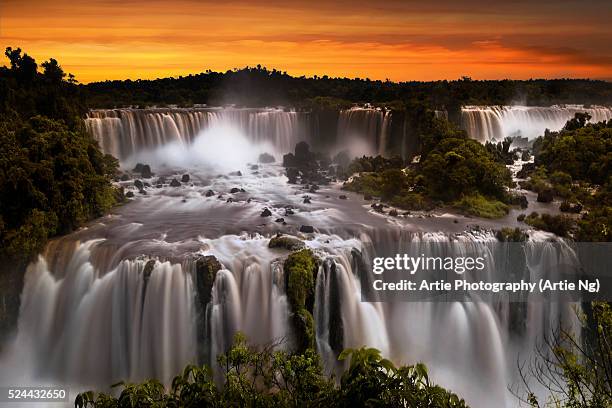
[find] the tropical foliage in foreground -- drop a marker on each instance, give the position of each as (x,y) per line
(248,377)
(575,370)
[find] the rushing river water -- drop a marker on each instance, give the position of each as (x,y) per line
(91,316)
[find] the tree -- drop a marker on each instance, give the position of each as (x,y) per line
(577,373)
(52,71)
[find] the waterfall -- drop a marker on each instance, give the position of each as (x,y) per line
(84,326)
(90,328)
(123,132)
(485,123)
(364,130)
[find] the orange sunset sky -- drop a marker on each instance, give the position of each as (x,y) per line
(398,40)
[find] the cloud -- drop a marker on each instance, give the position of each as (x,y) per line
(400,40)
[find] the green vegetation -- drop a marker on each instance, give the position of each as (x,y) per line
(560,225)
(300,271)
(268,377)
(479,206)
(453,170)
(53,178)
(285,242)
(511,235)
(258,86)
(574,164)
(577,371)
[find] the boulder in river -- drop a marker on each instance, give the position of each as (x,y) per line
(285,242)
(265,213)
(266,158)
(210,193)
(545,196)
(146,171)
(138,184)
(175,183)
(185,178)
(307,229)
(206,271)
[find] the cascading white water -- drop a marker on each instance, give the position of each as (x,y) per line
(487,123)
(128,325)
(78,326)
(364,130)
(101,317)
(123,132)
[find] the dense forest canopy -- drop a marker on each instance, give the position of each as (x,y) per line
(53,177)
(259,86)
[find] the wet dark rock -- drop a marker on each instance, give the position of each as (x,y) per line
(235,190)
(125,177)
(378,207)
(526,170)
(289,211)
(236,173)
(286,242)
(342,197)
(525,155)
(159,186)
(175,183)
(148,269)
(129,194)
(184,200)
(147,185)
(336,325)
(266,213)
(210,193)
(206,271)
(161,180)
(307,200)
(307,229)
(138,184)
(520,200)
(229,200)
(253,167)
(185,178)
(279,220)
(568,207)
(393,213)
(138,168)
(266,158)
(292,174)
(142,191)
(146,171)
(545,196)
